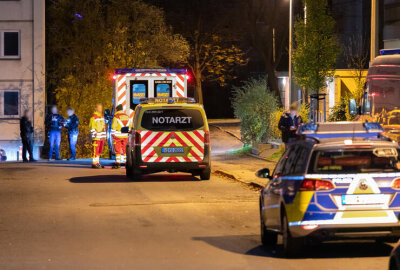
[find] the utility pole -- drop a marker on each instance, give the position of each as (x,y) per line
(288,101)
(374,28)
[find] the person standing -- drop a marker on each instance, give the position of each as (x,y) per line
(72,125)
(289,123)
(121,125)
(26,131)
(54,124)
(97,127)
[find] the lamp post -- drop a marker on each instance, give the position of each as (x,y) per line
(287,102)
(374,28)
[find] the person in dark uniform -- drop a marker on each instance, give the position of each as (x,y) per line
(72,124)
(289,123)
(54,124)
(26,131)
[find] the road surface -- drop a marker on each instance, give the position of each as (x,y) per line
(64,216)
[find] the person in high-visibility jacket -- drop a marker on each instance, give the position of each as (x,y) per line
(121,124)
(98,129)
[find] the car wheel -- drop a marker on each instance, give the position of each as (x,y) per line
(268,238)
(292,246)
(129,164)
(205,174)
(137,176)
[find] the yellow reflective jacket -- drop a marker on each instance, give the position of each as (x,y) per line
(120,120)
(97,127)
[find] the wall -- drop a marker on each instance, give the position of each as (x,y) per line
(25,74)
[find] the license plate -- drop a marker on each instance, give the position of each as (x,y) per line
(365,199)
(174,150)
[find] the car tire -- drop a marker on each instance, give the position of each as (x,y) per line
(268,238)
(137,176)
(129,164)
(205,174)
(292,246)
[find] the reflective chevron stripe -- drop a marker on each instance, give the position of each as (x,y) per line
(122,87)
(192,139)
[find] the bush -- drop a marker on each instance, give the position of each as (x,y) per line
(255,106)
(340,112)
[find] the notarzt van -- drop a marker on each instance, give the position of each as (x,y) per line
(169,134)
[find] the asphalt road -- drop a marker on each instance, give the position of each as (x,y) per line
(63,216)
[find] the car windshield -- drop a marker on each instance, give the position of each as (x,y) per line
(172,119)
(346,161)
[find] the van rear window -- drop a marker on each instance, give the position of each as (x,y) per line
(172,119)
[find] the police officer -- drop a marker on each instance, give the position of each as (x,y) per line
(289,123)
(26,131)
(120,126)
(72,124)
(54,124)
(97,127)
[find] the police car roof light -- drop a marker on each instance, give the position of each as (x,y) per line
(373,127)
(389,51)
(307,128)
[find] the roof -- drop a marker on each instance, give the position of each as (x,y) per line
(386,60)
(151,70)
(331,130)
(349,143)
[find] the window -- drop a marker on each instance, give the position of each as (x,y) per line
(138,90)
(172,119)
(10,45)
(163,88)
(9,104)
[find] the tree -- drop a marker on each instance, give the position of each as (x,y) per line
(267,24)
(255,105)
(316,47)
(214,32)
(87,40)
(357,59)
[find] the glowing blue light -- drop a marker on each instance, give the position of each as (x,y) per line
(389,51)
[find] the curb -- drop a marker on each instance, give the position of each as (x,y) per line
(261,158)
(251,185)
(227,132)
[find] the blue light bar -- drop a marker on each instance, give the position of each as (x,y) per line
(307,128)
(373,127)
(389,51)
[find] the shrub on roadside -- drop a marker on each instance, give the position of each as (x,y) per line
(255,105)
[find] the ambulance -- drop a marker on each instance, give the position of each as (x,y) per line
(131,85)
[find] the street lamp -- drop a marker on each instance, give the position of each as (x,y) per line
(287,101)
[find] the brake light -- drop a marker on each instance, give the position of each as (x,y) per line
(316,184)
(309,227)
(396,183)
(137,141)
(206,137)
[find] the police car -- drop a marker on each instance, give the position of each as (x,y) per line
(169,134)
(339,181)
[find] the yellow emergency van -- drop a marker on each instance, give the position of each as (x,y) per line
(169,134)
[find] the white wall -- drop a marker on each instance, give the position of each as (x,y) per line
(27,73)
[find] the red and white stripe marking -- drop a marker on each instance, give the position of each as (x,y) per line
(121,85)
(193,139)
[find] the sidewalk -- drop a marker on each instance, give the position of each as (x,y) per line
(241,168)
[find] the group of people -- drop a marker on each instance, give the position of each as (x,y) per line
(55,122)
(121,124)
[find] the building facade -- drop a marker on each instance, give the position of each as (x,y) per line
(390,24)
(22,71)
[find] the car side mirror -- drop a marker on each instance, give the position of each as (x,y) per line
(353,110)
(264,173)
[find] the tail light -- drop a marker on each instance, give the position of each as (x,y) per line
(396,183)
(316,184)
(206,137)
(137,140)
